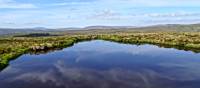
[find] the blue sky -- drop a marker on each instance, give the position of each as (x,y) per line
(81,13)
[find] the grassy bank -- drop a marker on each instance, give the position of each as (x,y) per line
(13,47)
(182,41)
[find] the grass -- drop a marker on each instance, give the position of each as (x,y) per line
(13,47)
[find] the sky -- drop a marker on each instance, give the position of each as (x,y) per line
(82,13)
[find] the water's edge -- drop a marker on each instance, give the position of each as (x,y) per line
(73,41)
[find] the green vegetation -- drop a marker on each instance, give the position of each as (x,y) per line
(13,47)
(36,35)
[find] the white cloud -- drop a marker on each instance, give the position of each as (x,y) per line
(79,13)
(175,14)
(156,3)
(105,14)
(11,4)
(69,3)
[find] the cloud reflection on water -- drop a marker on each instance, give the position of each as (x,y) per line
(97,65)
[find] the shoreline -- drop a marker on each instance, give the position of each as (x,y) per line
(52,43)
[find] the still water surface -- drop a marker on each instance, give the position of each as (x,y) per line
(103,64)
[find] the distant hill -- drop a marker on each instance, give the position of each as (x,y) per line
(7,31)
(109,27)
(174,27)
(105,29)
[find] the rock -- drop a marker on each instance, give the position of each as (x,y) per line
(35,48)
(42,47)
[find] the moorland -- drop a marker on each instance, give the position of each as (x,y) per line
(14,44)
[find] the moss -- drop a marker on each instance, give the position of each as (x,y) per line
(197,46)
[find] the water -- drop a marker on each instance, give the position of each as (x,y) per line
(103,64)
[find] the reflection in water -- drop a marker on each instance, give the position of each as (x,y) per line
(102,64)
